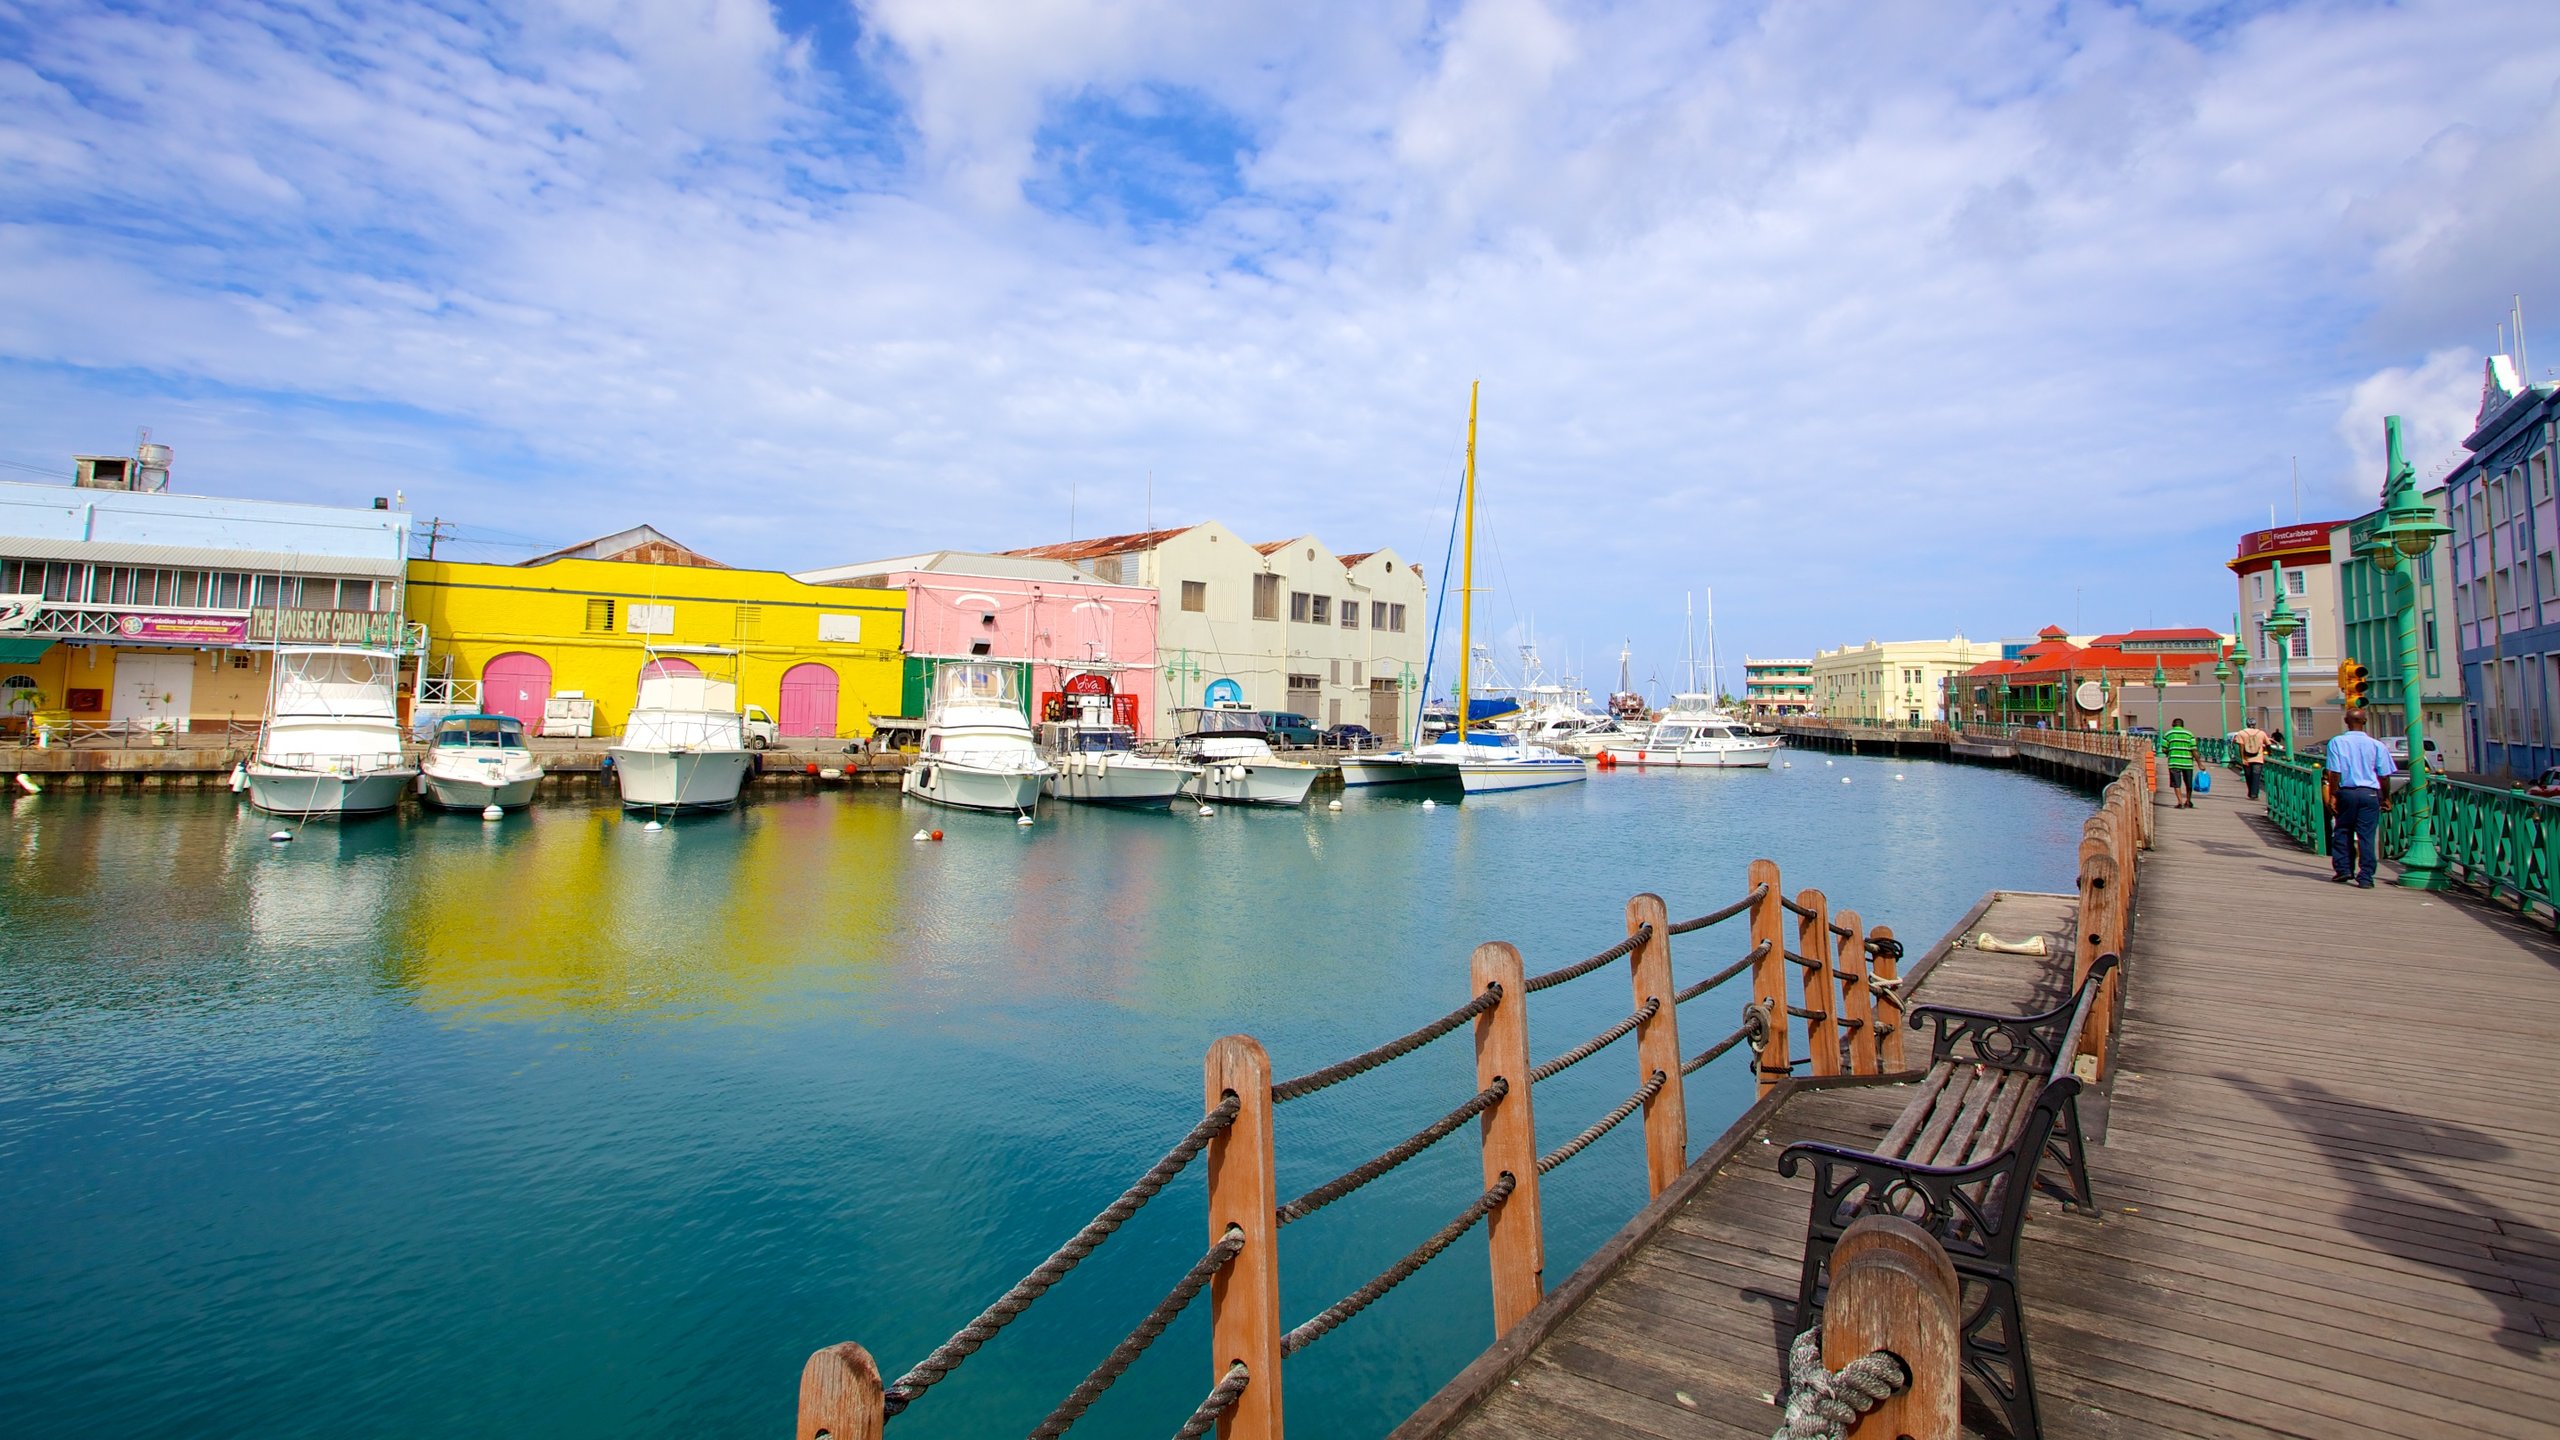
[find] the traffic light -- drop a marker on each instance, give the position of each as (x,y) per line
(2352,680)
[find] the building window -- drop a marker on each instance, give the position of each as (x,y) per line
(1395,618)
(1266,597)
(1298,602)
(2293,582)
(1377,614)
(2302,642)
(1320,609)
(1335,672)
(1355,673)
(1195,594)
(1306,682)
(599,617)
(749,623)
(2260,580)
(1350,614)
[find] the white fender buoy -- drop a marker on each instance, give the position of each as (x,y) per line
(1897,774)
(1205,810)
(492,812)
(1021,819)
(28,784)
(1844,779)
(1826,762)
(830,774)
(924,834)
(281,836)
(1786,764)
(1430,804)
(1333,805)
(239,777)
(653,825)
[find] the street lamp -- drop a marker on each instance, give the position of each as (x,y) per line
(2282,626)
(2409,529)
(2222,691)
(2159,692)
(2106,712)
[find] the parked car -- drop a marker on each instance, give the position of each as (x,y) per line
(759,728)
(1289,732)
(2398,745)
(1351,737)
(2546,785)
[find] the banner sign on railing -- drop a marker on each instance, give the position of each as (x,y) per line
(185,629)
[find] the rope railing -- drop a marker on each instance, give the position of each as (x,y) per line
(1801,912)
(1718,917)
(1221,1398)
(1757,952)
(1580,968)
(1708,1056)
(1603,1125)
(946,1357)
(1394,1275)
(1396,1049)
(1806,961)
(1395,1155)
(1135,1344)
(1595,1044)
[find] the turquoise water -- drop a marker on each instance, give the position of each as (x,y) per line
(432,1126)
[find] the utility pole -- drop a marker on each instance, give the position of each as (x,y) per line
(438,529)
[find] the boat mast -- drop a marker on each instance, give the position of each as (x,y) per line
(1715,681)
(1689,636)
(1467,581)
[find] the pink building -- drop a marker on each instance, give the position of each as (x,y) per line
(1056,621)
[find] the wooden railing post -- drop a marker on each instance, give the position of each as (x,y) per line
(1892,1288)
(1857,1001)
(2102,927)
(1666,1115)
(1510,1137)
(1244,1298)
(1769,975)
(1821,995)
(840,1396)
(1883,975)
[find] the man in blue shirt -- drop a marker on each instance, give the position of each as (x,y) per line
(2354,768)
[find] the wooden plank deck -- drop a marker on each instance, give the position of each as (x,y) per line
(2330,1183)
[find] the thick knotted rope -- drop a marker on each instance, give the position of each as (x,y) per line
(1821,1403)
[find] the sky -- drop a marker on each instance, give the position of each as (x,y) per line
(1878,320)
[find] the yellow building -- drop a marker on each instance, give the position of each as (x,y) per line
(1895,682)
(821,660)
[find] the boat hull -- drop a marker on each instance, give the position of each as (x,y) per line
(317,793)
(966,787)
(1495,777)
(447,792)
(1116,781)
(1360,772)
(679,779)
(1754,757)
(1253,782)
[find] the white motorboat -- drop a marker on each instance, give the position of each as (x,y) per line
(330,744)
(475,761)
(684,747)
(1397,767)
(1095,761)
(1712,743)
(1591,740)
(1236,764)
(978,752)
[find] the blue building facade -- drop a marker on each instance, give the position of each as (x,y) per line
(2505,550)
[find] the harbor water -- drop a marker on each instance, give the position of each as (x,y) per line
(429,1125)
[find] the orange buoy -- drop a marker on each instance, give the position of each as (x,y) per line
(937,834)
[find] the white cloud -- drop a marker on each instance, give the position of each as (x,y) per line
(2436,400)
(1872,316)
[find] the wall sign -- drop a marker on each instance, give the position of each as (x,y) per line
(322,627)
(840,629)
(1222,691)
(185,629)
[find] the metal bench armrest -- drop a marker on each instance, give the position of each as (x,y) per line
(2009,1042)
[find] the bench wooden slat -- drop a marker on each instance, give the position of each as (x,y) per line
(1933,1136)
(1907,1124)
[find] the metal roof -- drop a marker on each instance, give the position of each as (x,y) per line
(198,557)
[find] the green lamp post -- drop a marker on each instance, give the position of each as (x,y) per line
(2282,626)
(2409,529)
(2106,707)
(2222,691)
(2159,695)
(1182,671)
(2004,702)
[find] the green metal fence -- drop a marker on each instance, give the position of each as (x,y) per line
(2504,842)
(2293,802)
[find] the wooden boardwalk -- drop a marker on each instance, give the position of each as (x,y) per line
(2329,1177)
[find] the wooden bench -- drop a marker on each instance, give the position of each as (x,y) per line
(1997,1109)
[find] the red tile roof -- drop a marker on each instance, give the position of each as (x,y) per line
(2142,637)
(1100,546)
(1274,547)
(1350,560)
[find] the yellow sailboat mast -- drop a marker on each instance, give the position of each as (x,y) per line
(1467,582)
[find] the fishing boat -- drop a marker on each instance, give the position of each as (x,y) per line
(1227,742)
(1488,762)
(978,749)
(684,747)
(1094,759)
(1708,742)
(330,742)
(475,761)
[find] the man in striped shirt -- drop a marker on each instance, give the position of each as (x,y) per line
(2178,752)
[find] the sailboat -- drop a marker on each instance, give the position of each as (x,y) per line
(1487,761)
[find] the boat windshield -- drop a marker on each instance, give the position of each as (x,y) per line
(490,732)
(1670,734)
(977,684)
(1095,741)
(1223,720)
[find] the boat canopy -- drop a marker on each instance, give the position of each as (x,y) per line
(977,683)
(1478,737)
(483,731)
(1219,720)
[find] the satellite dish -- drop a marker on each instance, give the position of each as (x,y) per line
(2089,696)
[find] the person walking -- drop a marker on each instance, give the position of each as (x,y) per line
(2353,767)
(2250,744)
(2178,752)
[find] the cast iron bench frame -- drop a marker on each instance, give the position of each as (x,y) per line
(1998,1102)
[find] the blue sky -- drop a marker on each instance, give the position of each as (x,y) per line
(1883,320)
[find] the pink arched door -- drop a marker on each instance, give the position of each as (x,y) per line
(669,667)
(808,701)
(516,684)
